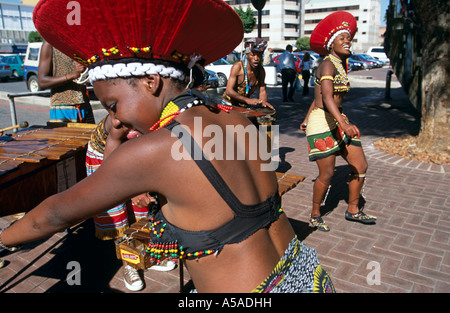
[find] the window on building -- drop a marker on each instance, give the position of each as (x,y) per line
(343,8)
(291,12)
(291,26)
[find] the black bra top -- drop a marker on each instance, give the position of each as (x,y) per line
(247,220)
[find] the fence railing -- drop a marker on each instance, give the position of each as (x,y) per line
(13,96)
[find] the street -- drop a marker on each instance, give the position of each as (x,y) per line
(35,110)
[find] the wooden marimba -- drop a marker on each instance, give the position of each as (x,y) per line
(38,162)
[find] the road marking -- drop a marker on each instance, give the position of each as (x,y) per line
(26,108)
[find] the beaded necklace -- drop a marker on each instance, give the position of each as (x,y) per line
(340,81)
(171,111)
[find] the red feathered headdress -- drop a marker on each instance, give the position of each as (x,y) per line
(326,31)
(182,31)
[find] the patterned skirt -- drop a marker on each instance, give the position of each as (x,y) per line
(298,271)
(112,223)
(324,135)
(81,113)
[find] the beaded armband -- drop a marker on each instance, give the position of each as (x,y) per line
(328,77)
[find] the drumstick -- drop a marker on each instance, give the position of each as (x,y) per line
(21,125)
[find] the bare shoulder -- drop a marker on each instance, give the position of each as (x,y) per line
(326,68)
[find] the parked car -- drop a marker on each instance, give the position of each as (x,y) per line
(5,72)
(366,63)
(354,65)
(298,62)
(15,61)
(211,79)
(378,63)
(30,65)
(378,53)
(222,68)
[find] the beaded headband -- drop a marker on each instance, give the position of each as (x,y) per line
(330,42)
(135,69)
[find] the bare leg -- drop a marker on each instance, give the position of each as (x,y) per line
(326,172)
(320,188)
(358,165)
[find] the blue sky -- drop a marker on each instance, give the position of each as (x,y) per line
(384,5)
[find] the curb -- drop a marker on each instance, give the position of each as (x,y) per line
(373,152)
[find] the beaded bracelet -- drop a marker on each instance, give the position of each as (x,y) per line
(3,246)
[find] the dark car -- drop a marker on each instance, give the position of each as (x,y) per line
(5,71)
(366,63)
(211,79)
(378,62)
(354,65)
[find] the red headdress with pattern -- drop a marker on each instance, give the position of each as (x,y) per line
(328,28)
(181,31)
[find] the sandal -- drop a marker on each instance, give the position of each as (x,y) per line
(319,223)
(360,217)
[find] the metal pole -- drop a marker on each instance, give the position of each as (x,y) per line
(12,109)
(259,23)
(387,91)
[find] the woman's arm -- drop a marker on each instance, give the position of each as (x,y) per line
(305,121)
(328,100)
(111,184)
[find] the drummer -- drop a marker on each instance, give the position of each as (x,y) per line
(246,76)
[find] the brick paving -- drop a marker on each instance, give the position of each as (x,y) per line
(409,245)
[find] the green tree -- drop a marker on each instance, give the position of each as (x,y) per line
(34,37)
(247,17)
(303,43)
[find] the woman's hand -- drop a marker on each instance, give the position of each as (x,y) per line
(142,201)
(303,125)
(351,130)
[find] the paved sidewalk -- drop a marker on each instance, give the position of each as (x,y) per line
(408,250)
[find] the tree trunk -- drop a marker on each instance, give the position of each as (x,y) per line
(433,19)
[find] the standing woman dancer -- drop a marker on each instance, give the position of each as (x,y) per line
(328,130)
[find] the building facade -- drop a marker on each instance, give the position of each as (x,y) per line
(15,24)
(284,21)
(366,12)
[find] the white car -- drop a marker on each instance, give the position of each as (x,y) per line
(222,68)
(378,53)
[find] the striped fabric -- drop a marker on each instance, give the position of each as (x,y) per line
(71,113)
(112,223)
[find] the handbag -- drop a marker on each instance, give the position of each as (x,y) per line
(297,83)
